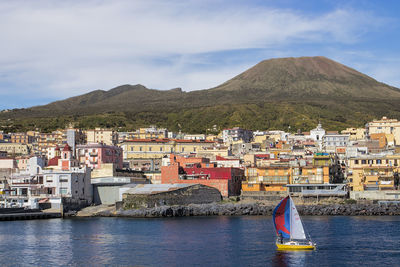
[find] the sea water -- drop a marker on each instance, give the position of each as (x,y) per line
(197,241)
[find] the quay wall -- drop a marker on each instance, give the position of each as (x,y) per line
(237,209)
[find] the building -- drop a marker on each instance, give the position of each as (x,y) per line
(177,170)
(355,133)
(46,140)
(152,132)
(95,155)
(75,137)
(194,137)
(237,134)
(52,186)
(157,148)
(386,126)
(99,135)
(330,142)
(21,138)
(373,172)
(318,133)
(15,149)
(267,178)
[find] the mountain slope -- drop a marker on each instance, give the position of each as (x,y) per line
(308,77)
(275,93)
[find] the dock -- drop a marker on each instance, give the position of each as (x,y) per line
(29,216)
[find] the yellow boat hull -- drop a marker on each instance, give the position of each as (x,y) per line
(294,247)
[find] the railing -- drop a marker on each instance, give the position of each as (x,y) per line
(275,179)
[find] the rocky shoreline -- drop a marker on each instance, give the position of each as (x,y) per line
(240,209)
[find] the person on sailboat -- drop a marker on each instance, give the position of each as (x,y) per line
(280,238)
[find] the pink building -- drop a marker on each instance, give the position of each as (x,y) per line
(94,155)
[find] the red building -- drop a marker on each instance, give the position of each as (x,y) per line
(227,180)
(94,155)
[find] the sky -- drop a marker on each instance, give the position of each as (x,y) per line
(51,50)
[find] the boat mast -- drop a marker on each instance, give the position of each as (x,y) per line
(290,214)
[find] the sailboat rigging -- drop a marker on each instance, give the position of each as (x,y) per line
(289,227)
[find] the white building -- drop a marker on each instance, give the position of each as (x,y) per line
(331,141)
(194,137)
(74,183)
(236,134)
(318,133)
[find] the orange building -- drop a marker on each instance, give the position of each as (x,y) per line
(267,178)
(381,137)
(275,178)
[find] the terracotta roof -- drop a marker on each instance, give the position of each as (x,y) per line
(53,161)
(166,140)
(67,148)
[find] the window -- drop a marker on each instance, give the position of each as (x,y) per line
(183,149)
(149,148)
(363,161)
(378,161)
(63,190)
(356,161)
(140,148)
(160,148)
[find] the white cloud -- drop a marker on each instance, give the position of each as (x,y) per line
(64,48)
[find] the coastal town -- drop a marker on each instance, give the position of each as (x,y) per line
(72,168)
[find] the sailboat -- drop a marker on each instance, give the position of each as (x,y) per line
(289,228)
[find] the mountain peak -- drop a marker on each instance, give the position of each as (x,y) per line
(307,77)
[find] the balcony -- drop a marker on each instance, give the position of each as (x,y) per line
(93,154)
(275,179)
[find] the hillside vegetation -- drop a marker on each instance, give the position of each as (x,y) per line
(286,93)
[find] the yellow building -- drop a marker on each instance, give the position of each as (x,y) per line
(152,133)
(99,135)
(386,126)
(373,173)
(157,148)
(46,140)
(275,178)
(13,149)
(355,133)
(372,178)
(310,175)
(260,138)
(213,151)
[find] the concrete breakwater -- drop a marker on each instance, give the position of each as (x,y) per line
(237,209)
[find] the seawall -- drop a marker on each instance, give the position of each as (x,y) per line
(238,209)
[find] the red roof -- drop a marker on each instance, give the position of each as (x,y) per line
(54,161)
(166,140)
(263,156)
(67,148)
(222,158)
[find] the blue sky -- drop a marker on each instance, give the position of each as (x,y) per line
(51,50)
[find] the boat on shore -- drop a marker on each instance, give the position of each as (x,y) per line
(289,227)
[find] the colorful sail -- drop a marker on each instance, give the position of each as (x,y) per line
(281,218)
(287,220)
